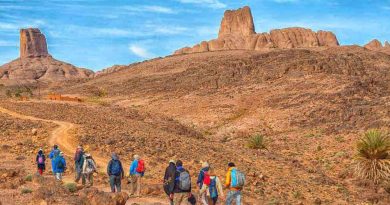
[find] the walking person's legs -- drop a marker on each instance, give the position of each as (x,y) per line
(138,191)
(229,197)
(112,183)
(238,197)
(118,183)
(203,198)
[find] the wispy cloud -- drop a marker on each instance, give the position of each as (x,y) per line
(140,51)
(18,24)
(150,8)
(217,4)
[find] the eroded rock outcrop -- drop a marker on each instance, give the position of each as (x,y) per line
(237,31)
(32,43)
(35,63)
(376,45)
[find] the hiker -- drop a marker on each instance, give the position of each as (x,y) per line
(60,166)
(41,161)
(89,167)
(53,154)
(235,181)
(213,189)
(78,161)
(137,171)
(182,188)
(115,173)
(169,180)
(201,177)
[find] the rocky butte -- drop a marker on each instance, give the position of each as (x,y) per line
(35,63)
(237,31)
(376,45)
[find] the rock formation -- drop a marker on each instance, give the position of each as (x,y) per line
(35,63)
(376,45)
(32,43)
(237,31)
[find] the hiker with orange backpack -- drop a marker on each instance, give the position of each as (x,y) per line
(203,177)
(41,161)
(137,171)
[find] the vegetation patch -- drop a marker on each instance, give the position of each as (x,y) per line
(71,187)
(257,142)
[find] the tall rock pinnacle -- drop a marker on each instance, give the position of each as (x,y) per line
(237,22)
(32,43)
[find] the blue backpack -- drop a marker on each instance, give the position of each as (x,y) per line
(116,168)
(213,188)
(238,179)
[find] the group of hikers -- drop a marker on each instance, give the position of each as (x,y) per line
(177,180)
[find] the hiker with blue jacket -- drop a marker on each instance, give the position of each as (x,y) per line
(78,164)
(41,161)
(53,154)
(203,172)
(59,166)
(115,173)
(137,171)
(182,189)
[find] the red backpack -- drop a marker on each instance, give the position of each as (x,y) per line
(206,178)
(141,166)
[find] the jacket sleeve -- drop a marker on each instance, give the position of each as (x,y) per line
(109,168)
(228,179)
(133,167)
(219,187)
(123,172)
(173,180)
(51,155)
(200,178)
(36,159)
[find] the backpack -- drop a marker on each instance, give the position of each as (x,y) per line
(90,166)
(116,168)
(238,179)
(213,188)
(184,181)
(206,178)
(60,164)
(40,159)
(140,167)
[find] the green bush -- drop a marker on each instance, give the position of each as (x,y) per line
(257,142)
(26,191)
(373,159)
(28,178)
(72,187)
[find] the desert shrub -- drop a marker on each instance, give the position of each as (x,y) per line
(72,187)
(257,142)
(8,93)
(373,160)
(28,178)
(26,191)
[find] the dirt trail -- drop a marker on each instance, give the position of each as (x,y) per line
(61,135)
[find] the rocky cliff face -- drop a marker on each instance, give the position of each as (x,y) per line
(376,45)
(32,43)
(237,31)
(35,63)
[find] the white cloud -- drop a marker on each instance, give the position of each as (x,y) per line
(150,8)
(217,4)
(140,51)
(16,25)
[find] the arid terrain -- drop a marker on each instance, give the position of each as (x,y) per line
(311,104)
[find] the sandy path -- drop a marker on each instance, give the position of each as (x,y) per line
(61,136)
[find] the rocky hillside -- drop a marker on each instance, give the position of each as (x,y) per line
(35,63)
(237,31)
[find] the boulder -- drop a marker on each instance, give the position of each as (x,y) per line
(32,43)
(387,44)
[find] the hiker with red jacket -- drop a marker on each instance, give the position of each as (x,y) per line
(41,161)
(137,171)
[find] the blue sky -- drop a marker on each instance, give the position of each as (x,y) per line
(98,34)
